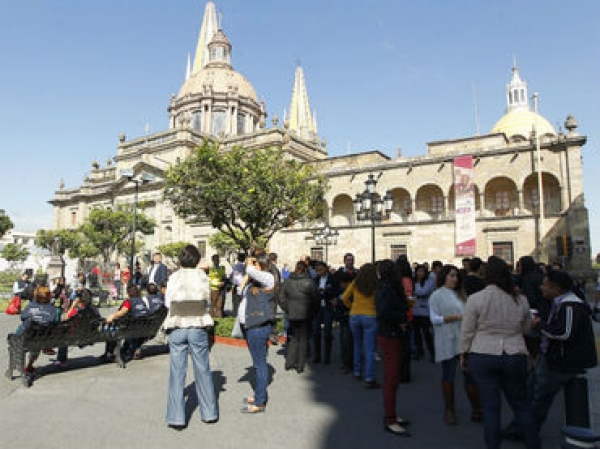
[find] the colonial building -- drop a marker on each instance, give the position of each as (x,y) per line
(515,191)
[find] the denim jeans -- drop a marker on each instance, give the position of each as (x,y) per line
(449,371)
(547,384)
(257,344)
(194,340)
(506,373)
(364,329)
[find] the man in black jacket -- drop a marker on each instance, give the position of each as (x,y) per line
(329,292)
(568,342)
(345,275)
(299,299)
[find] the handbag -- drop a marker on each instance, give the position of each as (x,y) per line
(236,332)
(14,306)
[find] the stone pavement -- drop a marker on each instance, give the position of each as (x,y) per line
(101,406)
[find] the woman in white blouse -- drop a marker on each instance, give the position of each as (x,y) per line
(446,310)
(187,298)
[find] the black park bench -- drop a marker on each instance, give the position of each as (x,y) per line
(83,329)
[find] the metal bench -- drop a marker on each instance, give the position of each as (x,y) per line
(83,329)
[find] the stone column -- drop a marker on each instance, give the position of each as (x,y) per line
(521,201)
(481,203)
(446,206)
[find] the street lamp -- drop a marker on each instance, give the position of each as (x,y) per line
(145,178)
(369,205)
(326,237)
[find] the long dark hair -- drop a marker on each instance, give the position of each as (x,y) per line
(390,274)
(425,274)
(404,266)
(528,265)
(366,279)
(497,273)
(441,279)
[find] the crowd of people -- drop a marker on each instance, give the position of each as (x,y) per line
(525,333)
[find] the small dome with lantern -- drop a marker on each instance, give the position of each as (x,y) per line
(519,121)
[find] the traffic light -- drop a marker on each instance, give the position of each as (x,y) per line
(568,246)
(564,246)
(560,247)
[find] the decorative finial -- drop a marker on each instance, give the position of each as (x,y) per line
(275,121)
(122,137)
(571,124)
(95,164)
(108,162)
(61,184)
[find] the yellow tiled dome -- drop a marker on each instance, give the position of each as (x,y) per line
(221,80)
(520,122)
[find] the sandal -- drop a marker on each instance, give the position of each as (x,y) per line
(248,400)
(252,409)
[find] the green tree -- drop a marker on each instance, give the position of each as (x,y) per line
(171,250)
(229,247)
(108,230)
(104,232)
(5,223)
(247,195)
(14,253)
(62,240)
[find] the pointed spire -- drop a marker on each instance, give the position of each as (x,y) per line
(516,91)
(207,31)
(188,69)
(301,121)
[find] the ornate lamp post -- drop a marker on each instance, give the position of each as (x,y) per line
(326,237)
(145,178)
(369,205)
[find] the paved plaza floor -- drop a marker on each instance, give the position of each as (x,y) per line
(88,405)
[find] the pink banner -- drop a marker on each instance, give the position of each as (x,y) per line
(464,207)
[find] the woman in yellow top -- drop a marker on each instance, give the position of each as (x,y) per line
(359,297)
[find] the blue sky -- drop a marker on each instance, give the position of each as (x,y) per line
(380,74)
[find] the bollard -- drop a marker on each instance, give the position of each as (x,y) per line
(577,408)
(578,437)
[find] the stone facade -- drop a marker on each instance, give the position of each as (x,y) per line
(218,104)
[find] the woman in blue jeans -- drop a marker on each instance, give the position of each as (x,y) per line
(256,315)
(359,297)
(493,350)
(187,298)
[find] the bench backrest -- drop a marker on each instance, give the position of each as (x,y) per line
(86,328)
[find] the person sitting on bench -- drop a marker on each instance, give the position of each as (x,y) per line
(39,310)
(134,304)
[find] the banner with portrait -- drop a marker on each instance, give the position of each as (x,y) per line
(464,207)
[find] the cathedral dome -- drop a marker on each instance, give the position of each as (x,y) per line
(519,122)
(217,80)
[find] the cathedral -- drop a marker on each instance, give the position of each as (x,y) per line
(515,191)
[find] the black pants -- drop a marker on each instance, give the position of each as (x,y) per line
(422,328)
(298,343)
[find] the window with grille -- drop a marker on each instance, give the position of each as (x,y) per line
(502,203)
(503,250)
(316,253)
(202,248)
(397,251)
(437,204)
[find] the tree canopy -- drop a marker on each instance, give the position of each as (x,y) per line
(247,195)
(5,223)
(171,250)
(14,253)
(104,232)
